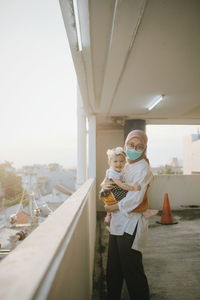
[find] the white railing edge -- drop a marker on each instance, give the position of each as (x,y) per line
(12,280)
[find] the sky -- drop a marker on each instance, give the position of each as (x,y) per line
(37,85)
(38,91)
(166,142)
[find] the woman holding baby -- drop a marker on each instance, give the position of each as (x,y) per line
(128,229)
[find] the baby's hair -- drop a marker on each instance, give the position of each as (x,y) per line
(115,151)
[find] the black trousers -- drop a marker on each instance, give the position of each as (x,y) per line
(125,263)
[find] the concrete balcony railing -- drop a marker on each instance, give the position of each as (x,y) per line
(56,260)
(183,190)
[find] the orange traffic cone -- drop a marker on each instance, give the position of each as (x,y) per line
(166,218)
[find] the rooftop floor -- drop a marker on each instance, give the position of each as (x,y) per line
(171,259)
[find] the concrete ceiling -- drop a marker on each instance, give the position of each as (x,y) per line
(135,50)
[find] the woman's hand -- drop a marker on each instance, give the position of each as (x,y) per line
(136,187)
(111,208)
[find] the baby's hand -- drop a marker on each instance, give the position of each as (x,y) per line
(108,185)
(137,187)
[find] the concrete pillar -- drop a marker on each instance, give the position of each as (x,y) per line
(81,141)
(133,124)
(92,146)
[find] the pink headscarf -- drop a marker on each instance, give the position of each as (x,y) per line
(140,134)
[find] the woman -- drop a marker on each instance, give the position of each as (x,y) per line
(128,230)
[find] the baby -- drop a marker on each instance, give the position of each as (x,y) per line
(116,162)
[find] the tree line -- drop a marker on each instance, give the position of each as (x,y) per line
(10,185)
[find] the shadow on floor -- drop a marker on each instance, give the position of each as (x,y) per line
(171,259)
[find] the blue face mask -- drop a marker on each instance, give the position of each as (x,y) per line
(133,154)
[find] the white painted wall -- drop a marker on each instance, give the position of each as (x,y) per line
(106,139)
(191,158)
(181,189)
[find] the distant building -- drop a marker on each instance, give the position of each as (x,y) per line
(43,178)
(62,189)
(23,218)
(174,167)
(20,218)
(156,170)
(191,154)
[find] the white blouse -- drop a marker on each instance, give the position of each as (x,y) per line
(112,174)
(123,221)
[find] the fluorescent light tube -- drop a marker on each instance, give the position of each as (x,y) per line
(78,31)
(158,100)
